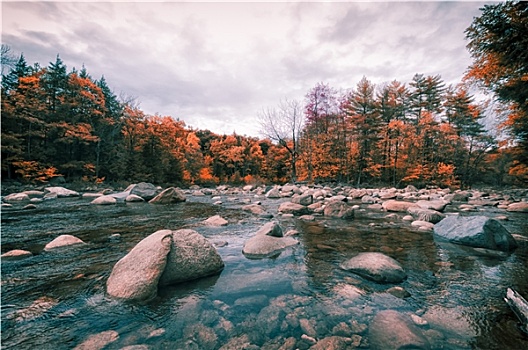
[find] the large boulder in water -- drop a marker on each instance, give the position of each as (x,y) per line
(145,190)
(392,330)
(168,196)
(377,267)
(163,258)
(475,231)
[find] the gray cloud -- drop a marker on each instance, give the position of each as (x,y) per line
(215,65)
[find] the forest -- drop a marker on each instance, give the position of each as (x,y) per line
(60,122)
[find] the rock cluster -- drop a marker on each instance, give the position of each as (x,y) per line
(163,258)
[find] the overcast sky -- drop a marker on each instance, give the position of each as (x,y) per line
(215,65)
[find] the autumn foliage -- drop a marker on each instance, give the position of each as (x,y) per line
(56,122)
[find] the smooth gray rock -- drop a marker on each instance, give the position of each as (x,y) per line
(136,275)
(475,231)
(438,205)
(261,246)
(145,190)
(191,257)
(169,196)
(63,241)
(272,228)
(104,200)
(61,192)
(16,197)
(216,220)
(268,241)
(16,254)
(392,330)
(339,210)
(377,267)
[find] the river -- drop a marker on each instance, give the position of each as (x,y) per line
(56,300)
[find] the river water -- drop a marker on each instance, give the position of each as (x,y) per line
(56,300)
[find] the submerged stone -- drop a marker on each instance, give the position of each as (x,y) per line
(392,330)
(377,267)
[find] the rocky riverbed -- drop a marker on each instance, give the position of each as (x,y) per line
(307,294)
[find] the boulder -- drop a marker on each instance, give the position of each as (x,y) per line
(291,189)
(262,246)
(268,241)
(521,207)
(104,200)
(339,210)
(191,257)
(16,197)
(274,193)
(63,241)
(390,329)
(304,199)
(377,267)
(397,206)
(438,205)
(163,258)
(216,220)
(255,209)
(168,196)
(475,231)
(272,228)
(16,254)
(145,190)
(293,208)
(422,224)
(61,192)
(369,199)
(426,214)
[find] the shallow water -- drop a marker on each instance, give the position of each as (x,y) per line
(56,300)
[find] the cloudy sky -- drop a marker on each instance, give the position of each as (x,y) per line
(215,65)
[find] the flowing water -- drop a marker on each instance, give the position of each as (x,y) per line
(56,300)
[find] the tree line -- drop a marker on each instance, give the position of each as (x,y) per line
(59,122)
